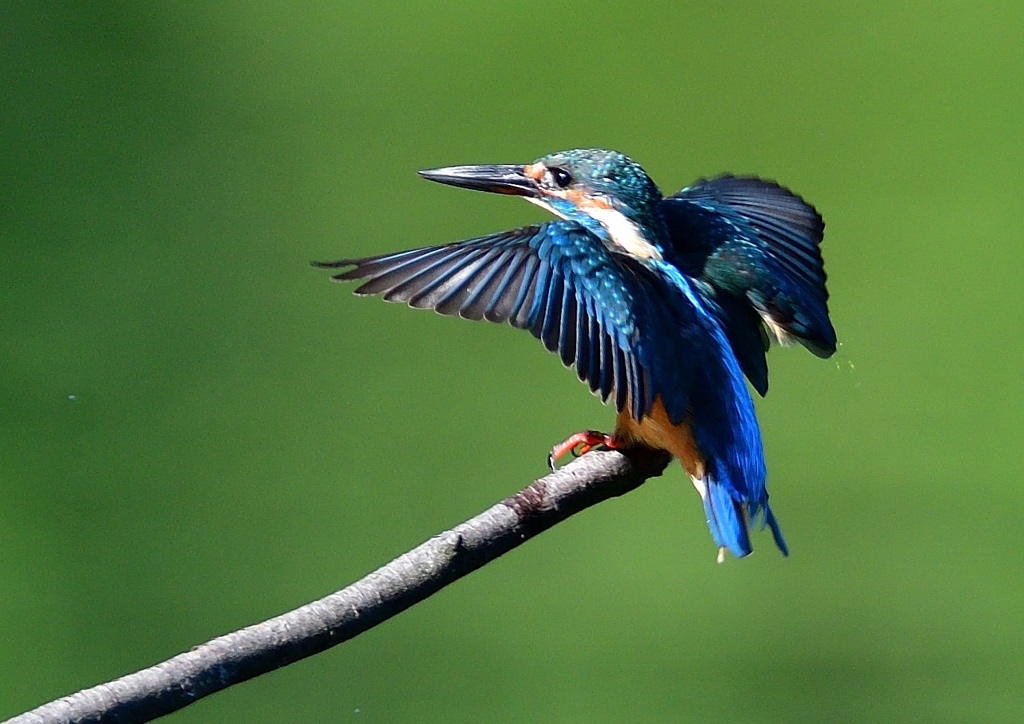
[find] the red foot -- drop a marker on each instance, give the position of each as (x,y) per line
(585,441)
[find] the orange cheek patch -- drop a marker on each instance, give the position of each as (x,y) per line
(534,171)
(581,200)
(589,202)
(573,196)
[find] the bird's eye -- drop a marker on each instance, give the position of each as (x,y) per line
(561,177)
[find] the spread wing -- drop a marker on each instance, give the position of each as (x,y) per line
(556,280)
(755,242)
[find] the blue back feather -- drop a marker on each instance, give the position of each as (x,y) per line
(726,430)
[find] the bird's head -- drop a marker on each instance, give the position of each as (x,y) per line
(605,191)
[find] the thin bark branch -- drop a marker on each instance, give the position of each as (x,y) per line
(315,627)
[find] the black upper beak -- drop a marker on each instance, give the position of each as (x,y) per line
(501,179)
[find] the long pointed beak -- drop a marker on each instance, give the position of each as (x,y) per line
(499,179)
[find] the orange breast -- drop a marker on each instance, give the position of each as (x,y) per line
(656,431)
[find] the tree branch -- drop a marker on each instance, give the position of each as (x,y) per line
(389,590)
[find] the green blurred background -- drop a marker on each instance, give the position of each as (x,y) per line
(199,431)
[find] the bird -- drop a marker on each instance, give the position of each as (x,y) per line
(662,304)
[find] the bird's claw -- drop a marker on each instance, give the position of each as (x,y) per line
(579,444)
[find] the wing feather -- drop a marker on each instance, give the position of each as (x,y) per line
(556,280)
(582,340)
(751,239)
(501,305)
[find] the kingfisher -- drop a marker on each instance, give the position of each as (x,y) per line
(661,304)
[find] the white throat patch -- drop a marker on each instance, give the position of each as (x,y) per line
(625,233)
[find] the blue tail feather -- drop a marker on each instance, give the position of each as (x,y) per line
(726,520)
(769,519)
(729,520)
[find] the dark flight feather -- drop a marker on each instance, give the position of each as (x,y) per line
(542,278)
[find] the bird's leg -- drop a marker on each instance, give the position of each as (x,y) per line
(585,442)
